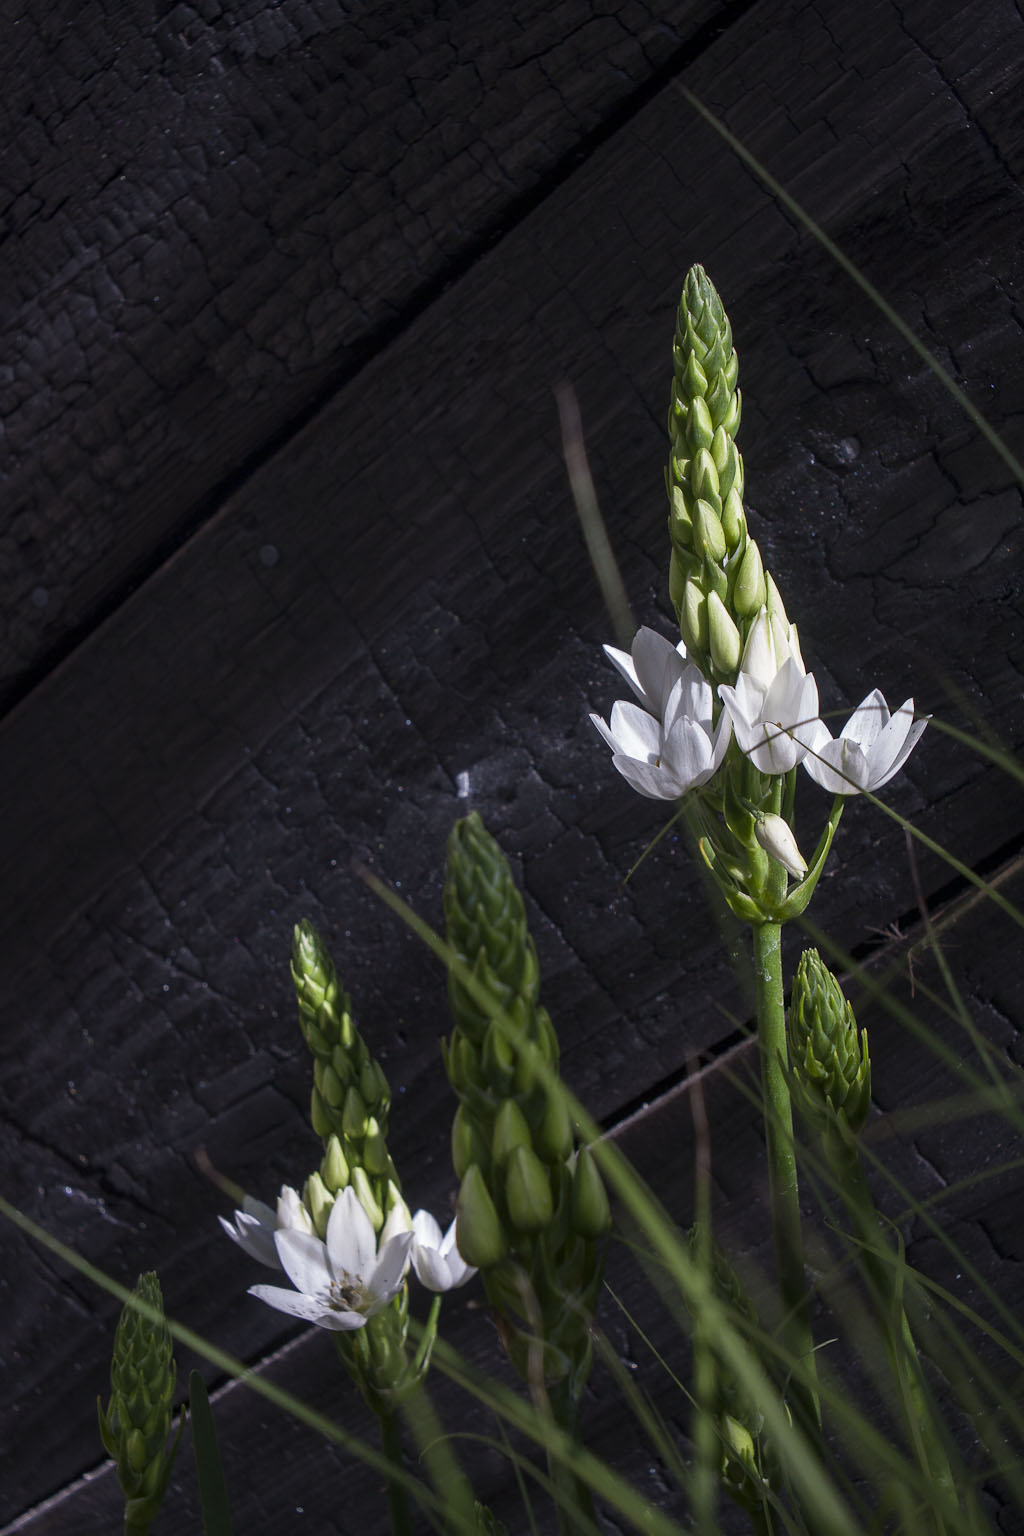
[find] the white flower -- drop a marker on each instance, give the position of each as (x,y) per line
(255,1224)
(652,668)
(776,837)
(774,705)
(437,1261)
(343,1282)
(671,745)
(873,746)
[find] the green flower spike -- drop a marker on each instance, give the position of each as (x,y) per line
(829,1055)
(716,577)
(351,1099)
(532,1216)
(136,1425)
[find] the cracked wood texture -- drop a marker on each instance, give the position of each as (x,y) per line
(288,551)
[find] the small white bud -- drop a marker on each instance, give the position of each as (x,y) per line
(776,838)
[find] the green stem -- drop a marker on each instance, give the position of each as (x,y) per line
(398,1498)
(782,1180)
(915,1402)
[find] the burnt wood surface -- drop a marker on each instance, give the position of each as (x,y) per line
(289,554)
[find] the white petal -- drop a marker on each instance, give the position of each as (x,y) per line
(687,755)
(252,1237)
(351,1240)
(868,720)
(308,1308)
(648,780)
(912,738)
(431,1269)
(623,662)
(291,1212)
(635,732)
(304,1260)
(259,1212)
(390,1267)
(758,659)
(426,1230)
(601,725)
(657,665)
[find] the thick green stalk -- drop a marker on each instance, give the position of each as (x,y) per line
(782,1176)
(398,1498)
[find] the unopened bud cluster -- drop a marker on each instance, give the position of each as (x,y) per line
(716,578)
(350,1105)
(350,1100)
(829,1054)
(531,1211)
(136,1425)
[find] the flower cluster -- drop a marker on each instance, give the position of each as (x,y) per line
(670,743)
(347,1279)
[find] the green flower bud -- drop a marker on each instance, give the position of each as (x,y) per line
(552,1139)
(724,638)
(734,522)
(319,1114)
(353,1115)
(478,1232)
(591,1213)
(376,1159)
(750,589)
(136,1425)
(367,1198)
(331,1088)
(468,1145)
(829,1056)
(693,619)
(334,1170)
(498,1058)
(510,1131)
(317,1199)
(528,1191)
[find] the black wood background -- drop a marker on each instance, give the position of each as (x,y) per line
(287,548)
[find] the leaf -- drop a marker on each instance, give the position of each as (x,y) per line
(213,1491)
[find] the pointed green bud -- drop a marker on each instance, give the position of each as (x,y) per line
(750,590)
(591,1213)
(354,1116)
(693,619)
(367,1199)
(478,1233)
(708,534)
(829,1057)
(510,1131)
(552,1139)
(373,1085)
(498,1058)
(528,1191)
(468,1145)
(334,1169)
(734,521)
(331,1090)
(700,429)
(376,1159)
(319,1115)
(773,601)
(723,638)
(317,1199)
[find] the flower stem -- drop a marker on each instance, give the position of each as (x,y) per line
(782,1178)
(398,1498)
